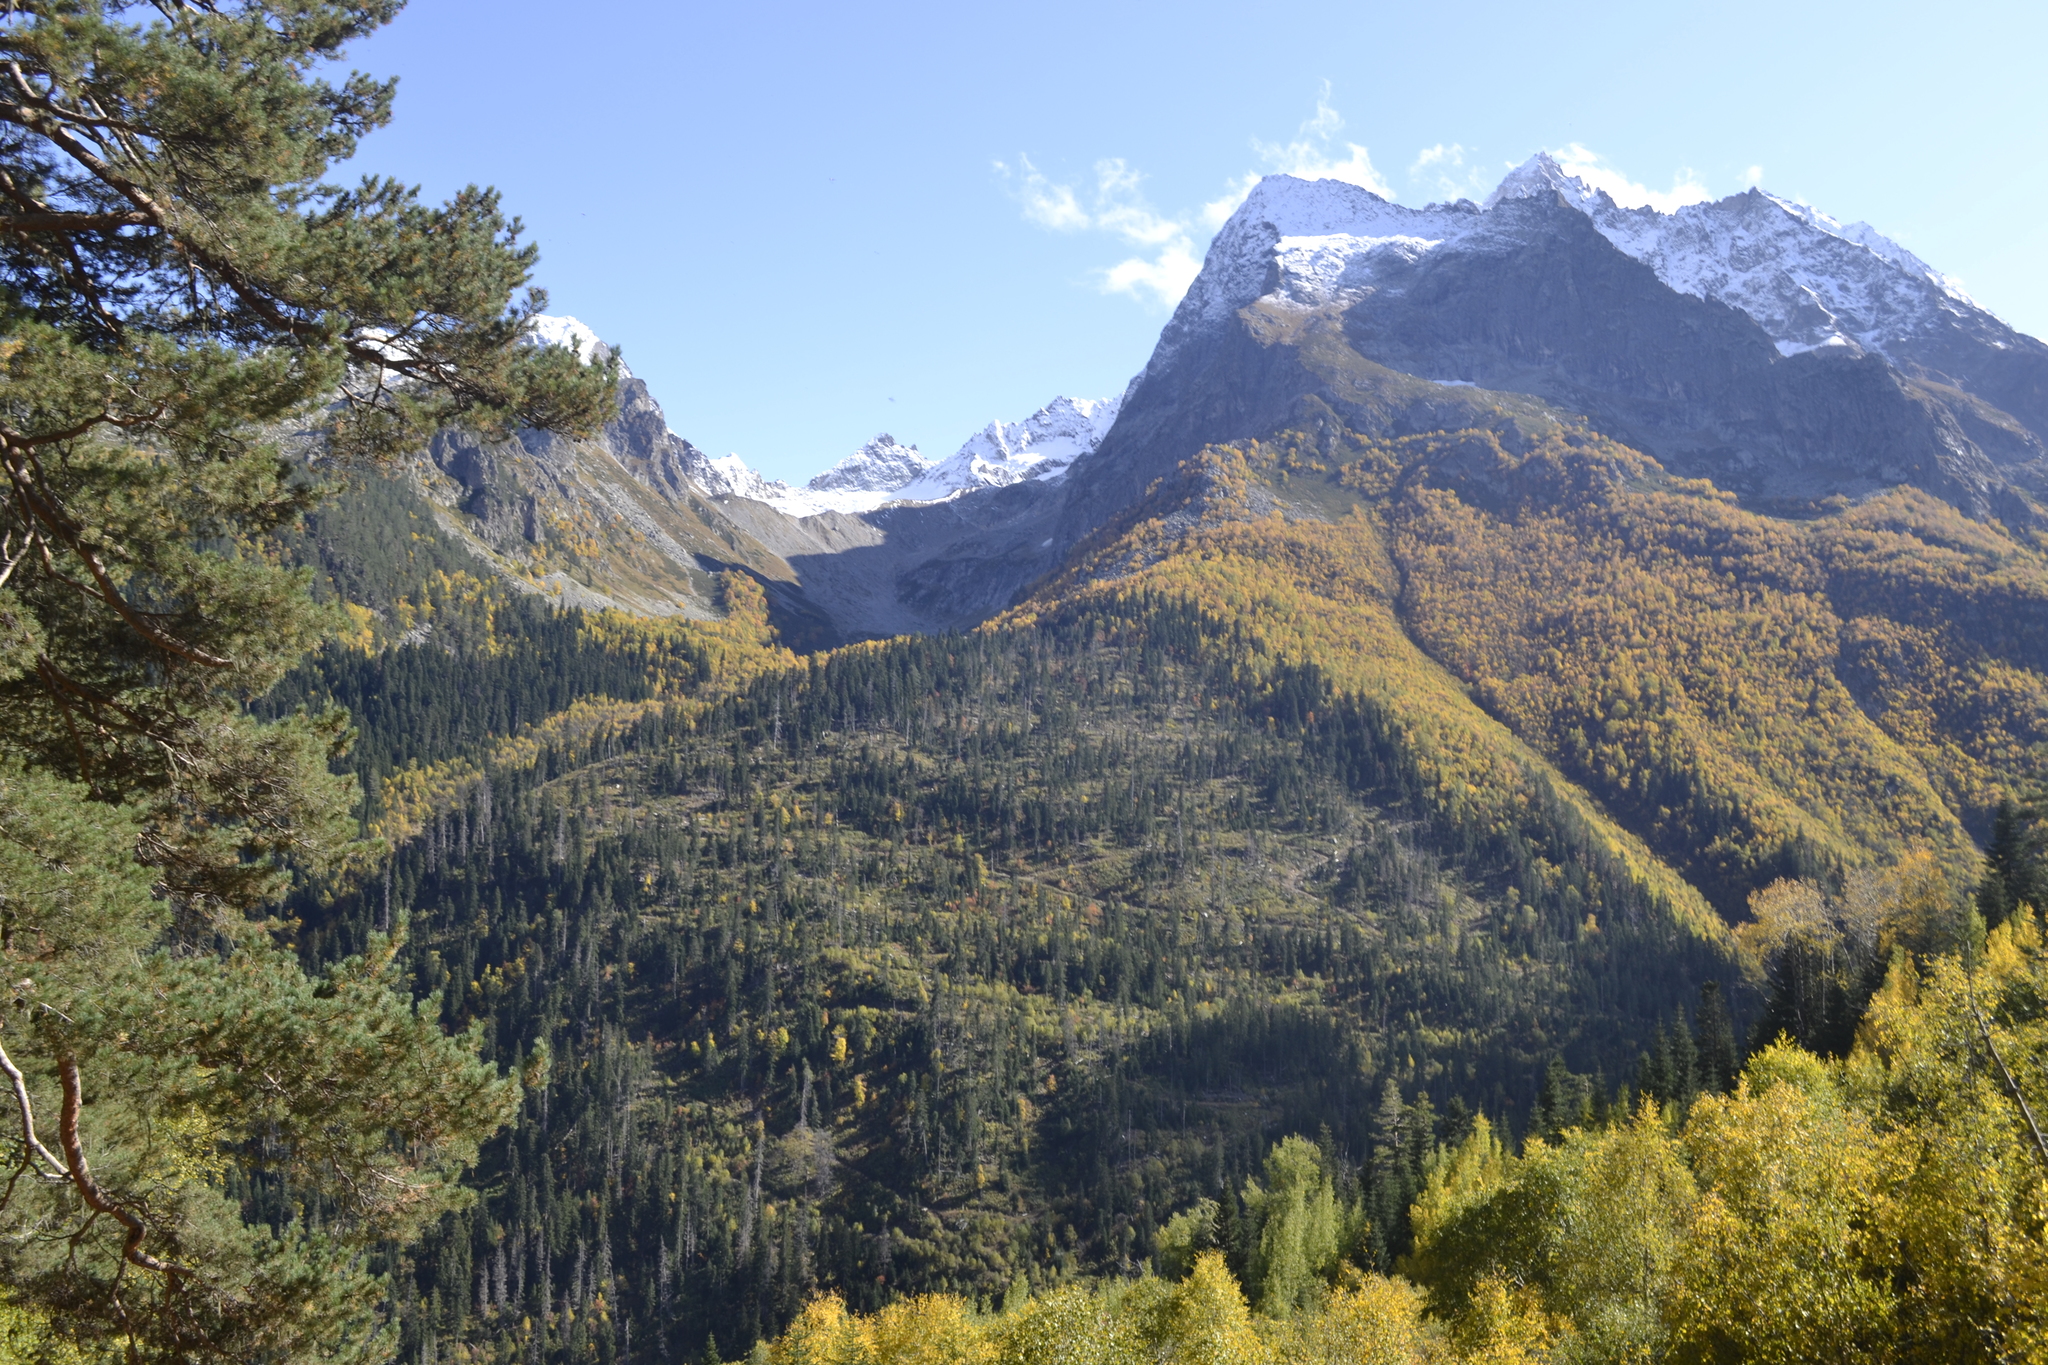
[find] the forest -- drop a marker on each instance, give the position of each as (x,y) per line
(983,965)
(941,975)
(1210,959)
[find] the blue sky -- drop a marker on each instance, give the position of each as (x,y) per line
(810,223)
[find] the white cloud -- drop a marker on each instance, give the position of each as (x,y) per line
(1046,204)
(1591,167)
(1309,156)
(1312,157)
(1217,212)
(1444,171)
(1165,277)
(1168,255)
(1753,176)
(1168,261)
(1122,210)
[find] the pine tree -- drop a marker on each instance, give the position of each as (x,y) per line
(179,293)
(2013,875)
(1557,1104)
(1681,1062)
(1718,1058)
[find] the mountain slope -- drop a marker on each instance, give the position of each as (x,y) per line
(1720,683)
(1532,295)
(950,961)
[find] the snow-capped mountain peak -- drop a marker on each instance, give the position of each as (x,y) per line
(1806,278)
(1869,238)
(1538,175)
(1322,235)
(1041,447)
(883,465)
(729,477)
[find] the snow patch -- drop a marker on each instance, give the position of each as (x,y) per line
(1043,447)
(729,477)
(1309,239)
(1807,279)
(566,331)
(1315,270)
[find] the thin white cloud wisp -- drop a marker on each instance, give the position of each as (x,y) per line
(1167,263)
(1313,156)
(1600,174)
(1166,251)
(1443,173)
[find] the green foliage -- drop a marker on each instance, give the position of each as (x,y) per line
(935,971)
(1593,1224)
(2015,871)
(1296,1228)
(191,1074)
(1885,1207)
(214,1148)
(1751,698)
(947,964)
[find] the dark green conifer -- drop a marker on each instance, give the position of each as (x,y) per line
(181,297)
(1718,1058)
(2013,871)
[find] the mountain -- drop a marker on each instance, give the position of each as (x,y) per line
(1039,448)
(1684,335)
(1573,479)
(642,520)
(1042,446)
(883,465)
(1464,616)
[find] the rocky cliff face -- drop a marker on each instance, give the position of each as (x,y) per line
(1754,342)
(627,520)
(883,465)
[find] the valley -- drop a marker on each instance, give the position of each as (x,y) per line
(1389,717)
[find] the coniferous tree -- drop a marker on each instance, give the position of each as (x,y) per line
(2013,872)
(1563,1102)
(1718,1058)
(210,1142)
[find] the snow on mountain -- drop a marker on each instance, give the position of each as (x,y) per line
(883,465)
(729,477)
(1310,239)
(567,331)
(1807,279)
(1043,446)
(861,482)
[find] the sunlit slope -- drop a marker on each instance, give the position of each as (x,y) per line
(1728,697)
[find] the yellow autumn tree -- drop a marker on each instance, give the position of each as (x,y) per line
(1785,1262)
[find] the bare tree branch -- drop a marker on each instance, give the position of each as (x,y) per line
(32,1145)
(2012,1086)
(88,1188)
